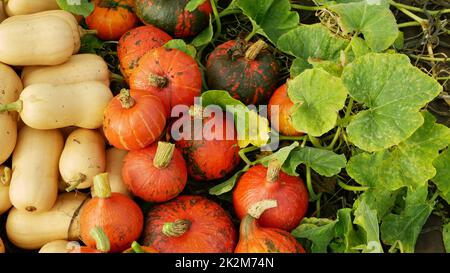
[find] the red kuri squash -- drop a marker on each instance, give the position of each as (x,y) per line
(247,71)
(134,121)
(260,183)
(119,216)
(156,174)
(256,239)
(281,99)
(170,74)
(135,43)
(112,18)
(190,224)
(215,153)
(173,17)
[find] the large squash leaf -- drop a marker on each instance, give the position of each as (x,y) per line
(370,18)
(409,164)
(79,7)
(271,18)
(318,96)
(393,91)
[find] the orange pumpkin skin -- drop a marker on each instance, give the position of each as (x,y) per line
(212,157)
(112,18)
(178,80)
(135,43)
(284,103)
(210,231)
(84,249)
(120,218)
(256,239)
(136,127)
(289,191)
(149,182)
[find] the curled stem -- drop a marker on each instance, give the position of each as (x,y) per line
(351,188)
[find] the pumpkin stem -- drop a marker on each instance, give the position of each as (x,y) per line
(84,32)
(137,247)
(253,51)
(177,228)
(80,178)
(125,98)
(273,171)
(102,188)
(257,209)
(196,111)
(16,106)
(157,81)
(101,240)
(5,175)
(164,154)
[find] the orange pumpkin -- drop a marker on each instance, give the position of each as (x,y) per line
(118,215)
(255,239)
(136,248)
(284,125)
(133,121)
(135,43)
(112,18)
(170,74)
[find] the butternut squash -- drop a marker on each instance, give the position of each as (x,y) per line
(36,40)
(33,230)
(5,179)
(46,106)
(83,158)
(10,88)
(79,68)
(34,182)
(59,246)
(19,7)
(114,163)
(68,17)
(2,246)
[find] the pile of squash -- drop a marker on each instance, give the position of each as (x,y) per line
(81,156)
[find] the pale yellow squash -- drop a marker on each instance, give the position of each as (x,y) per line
(36,40)
(114,164)
(79,68)
(47,106)
(19,7)
(5,180)
(59,246)
(62,14)
(3,15)
(10,88)
(83,158)
(33,230)
(34,182)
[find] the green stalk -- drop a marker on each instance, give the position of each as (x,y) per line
(315,141)
(424,58)
(16,106)
(409,24)
(101,240)
(137,247)
(408,7)
(280,137)
(351,188)
(310,8)
(251,34)
(243,151)
(312,194)
(217,20)
(335,138)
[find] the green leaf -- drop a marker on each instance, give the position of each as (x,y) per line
(442,178)
(193,4)
(271,18)
(331,67)
(281,155)
(408,164)
(311,42)
(446,237)
(319,231)
(367,219)
(251,128)
(376,22)
(205,36)
(378,199)
(181,45)
(393,91)
(298,66)
(406,226)
(324,162)
(359,47)
(228,184)
(318,96)
(400,41)
(347,237)
(90,43)
(79,7)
